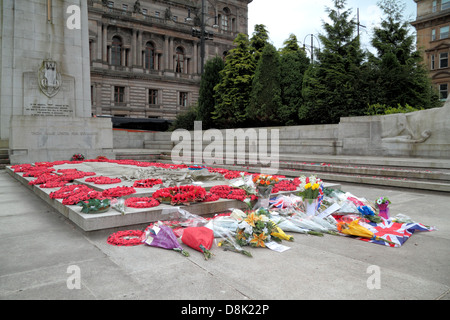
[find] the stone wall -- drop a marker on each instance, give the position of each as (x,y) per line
(424,134)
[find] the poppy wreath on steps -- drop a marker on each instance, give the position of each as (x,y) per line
(143,202)
(146,183)
(118,192)
(183,195)
(126,238)
(227,192)
(72,194)
(103,180)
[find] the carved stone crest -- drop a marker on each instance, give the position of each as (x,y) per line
(49,78)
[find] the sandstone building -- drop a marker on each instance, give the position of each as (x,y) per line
(433,37)
(145,57)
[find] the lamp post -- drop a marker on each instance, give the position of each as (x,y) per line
(202,34)
(312,45)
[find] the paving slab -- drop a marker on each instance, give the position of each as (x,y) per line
(39,246)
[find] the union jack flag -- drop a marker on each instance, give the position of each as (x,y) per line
(395,232)
(277,203)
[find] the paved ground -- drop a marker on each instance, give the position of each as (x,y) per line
(41,254)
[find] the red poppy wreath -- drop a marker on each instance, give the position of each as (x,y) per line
(180,195)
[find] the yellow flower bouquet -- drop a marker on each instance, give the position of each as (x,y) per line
(256,229)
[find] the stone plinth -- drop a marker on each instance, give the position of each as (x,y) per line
(38,138)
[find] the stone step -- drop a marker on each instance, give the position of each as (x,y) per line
(357,177)
(4,157)
(4,144)
(416,173)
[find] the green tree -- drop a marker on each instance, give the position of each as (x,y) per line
(265,97)
(294,64)
(258,41)
(331,86)
(401,78)
(232,93)
(185,120)
(206,99)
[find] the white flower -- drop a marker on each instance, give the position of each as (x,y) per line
(247,228)
(379,201)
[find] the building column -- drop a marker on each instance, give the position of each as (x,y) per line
(166,53)
(133,47)
(105,43)
(139,49)
(99,41)
(171,58)
(195,60)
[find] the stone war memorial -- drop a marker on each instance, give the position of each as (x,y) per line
(198,184)
(45,83)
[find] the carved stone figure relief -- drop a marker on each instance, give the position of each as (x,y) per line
(401,131)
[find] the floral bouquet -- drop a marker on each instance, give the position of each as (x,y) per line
(200,239)
(310,187)
(256,229)
(311,190)
(382,204)
(162,236)
(264,180)
(264,184)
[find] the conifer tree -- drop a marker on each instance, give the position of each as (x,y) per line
(294,64)
(258,41)
(232,93)
(206,101)
(401,78)
(330,86)
(265,97)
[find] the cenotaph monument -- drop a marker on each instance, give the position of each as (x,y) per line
(45,109)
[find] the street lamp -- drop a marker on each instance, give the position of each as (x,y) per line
(312,45)
(202,34)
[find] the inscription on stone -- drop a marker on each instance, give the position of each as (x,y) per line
(40,109)
(35,103)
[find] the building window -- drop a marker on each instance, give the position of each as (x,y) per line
(433,62)
(110,4)
(443,91)
(225,19)
(179,63)
(434,5)
(125,7)
(144,12)
(116,51)
(444,32)
(152,96)
(157,14)
(119,94)
(445,4)
(433,34)
(149,56)
(183,99)
(443,60)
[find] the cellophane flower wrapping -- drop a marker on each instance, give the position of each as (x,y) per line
(160,235)
(181,219)
(256,228)
(200,239)
(311,188)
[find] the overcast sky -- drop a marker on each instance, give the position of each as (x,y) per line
(305,17)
